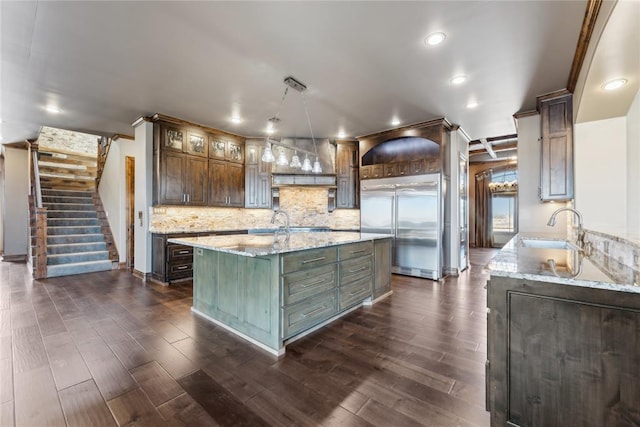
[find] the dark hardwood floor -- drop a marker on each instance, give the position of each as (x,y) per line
(107,349)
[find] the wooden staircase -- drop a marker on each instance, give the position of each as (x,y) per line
(78,236)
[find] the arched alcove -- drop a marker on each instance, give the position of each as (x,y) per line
(401,150)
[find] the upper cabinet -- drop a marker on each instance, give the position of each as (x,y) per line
(347,174)
(257,192)
(197,166)
(411,150)
(556,165)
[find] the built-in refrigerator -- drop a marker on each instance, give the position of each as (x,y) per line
(409,208)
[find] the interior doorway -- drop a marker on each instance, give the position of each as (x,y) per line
(130,181)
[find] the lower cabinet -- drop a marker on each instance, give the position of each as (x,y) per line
(562,355)
(382,269)
(171,262)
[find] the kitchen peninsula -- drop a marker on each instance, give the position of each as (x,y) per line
(274,288)
(563,335)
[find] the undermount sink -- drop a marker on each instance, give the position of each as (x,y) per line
(548,244)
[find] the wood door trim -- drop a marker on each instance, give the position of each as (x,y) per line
(130,164)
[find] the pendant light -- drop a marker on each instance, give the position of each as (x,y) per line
(282,160)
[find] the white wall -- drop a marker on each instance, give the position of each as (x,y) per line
(532,213)
(633,168)
(600,174)
(113,193)
(1,203)
(16,206)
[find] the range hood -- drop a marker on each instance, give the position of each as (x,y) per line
(287,176)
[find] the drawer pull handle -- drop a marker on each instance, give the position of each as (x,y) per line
(183,267)
(306,261)
(356,292)
(358,269)
(317,282)
(357,252)
(183,252)
(314,311)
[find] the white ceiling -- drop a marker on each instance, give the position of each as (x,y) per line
(104,64)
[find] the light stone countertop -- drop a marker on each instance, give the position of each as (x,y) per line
(253,245)
(562,266)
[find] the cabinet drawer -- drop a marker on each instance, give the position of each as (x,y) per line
(303,284)
(355,269)
(355,250)
(307,313)
(179,270)
(296,261)
(355,292)
(179,251)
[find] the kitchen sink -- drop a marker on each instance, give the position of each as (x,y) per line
(292,229)
(548,244)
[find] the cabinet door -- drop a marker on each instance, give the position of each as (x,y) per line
(196,144)
(217,183)
(382,267)
(557,149)
(264,191)
(235,184)
(251,185)
(172,138)
(235,151)
(172,172)
(196,182)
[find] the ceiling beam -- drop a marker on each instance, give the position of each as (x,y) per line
(488,147)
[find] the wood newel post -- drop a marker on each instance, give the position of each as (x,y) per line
(40,271)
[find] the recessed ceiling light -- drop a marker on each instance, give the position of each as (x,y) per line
(472,104)
(614,84)
(458,80)
(235,119)
(52,109)
(435,39)
(395,121)
(341,134)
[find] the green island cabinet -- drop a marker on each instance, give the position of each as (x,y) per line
(272,300)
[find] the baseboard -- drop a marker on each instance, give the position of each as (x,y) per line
(451,271)
(14,258)
(140,275)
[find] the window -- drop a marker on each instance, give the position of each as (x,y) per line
(504,213)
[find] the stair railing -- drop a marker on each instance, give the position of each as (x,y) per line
(40,235)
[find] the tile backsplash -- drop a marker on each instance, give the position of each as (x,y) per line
(616,249)
(306,207)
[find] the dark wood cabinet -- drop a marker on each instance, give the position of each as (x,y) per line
(347,174)
(171,262)
(556,163)
(226,183)
(197,166)
(562,355)
(183,179)
(257,177)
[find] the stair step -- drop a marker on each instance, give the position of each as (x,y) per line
(54,191)
(70,229)
(78,268)
(67,248)
(61,175)
(69,206)
(67,199)
(73,258)
(72,222)
(71,214)
(74,238)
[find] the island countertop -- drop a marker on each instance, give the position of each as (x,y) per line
(562,266)
(254,245)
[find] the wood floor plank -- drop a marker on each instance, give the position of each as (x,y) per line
(83,405)
(28,349)
(380,415)
(130,353)
(156,383)
(135,408)
(67,365)
(36,398)
(169,357)
(185,411)
(223,407)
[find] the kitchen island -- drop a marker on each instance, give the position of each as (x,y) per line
(563,336)
(272,289)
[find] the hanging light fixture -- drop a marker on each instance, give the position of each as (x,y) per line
(295,161)
(282,160)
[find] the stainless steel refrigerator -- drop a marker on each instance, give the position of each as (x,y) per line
(410,208)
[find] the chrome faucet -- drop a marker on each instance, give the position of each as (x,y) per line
(581,233)
(286,221)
